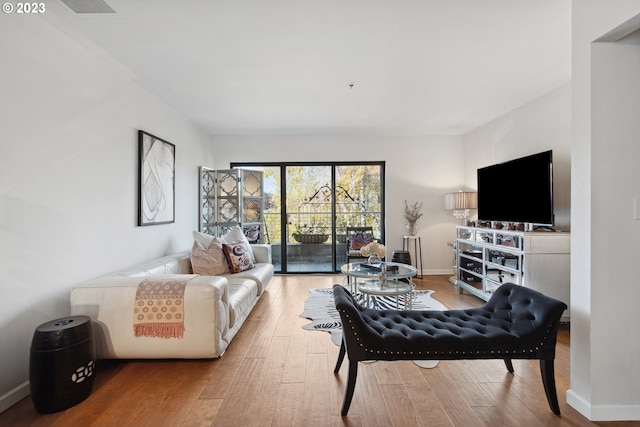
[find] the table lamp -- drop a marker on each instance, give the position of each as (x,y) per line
(460,203)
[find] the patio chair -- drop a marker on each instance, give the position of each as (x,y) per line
(357,237)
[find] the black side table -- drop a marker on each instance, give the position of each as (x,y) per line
(62,363)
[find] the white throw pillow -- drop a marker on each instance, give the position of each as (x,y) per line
(202,238)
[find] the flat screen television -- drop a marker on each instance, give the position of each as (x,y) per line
(519,190)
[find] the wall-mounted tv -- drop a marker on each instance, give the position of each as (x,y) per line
(519,190)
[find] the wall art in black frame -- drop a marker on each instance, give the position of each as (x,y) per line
(156,180)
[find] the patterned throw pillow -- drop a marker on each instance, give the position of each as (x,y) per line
(238,257)
(358,241)
(235,235)
(209,261)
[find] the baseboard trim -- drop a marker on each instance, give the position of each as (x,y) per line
(14,396)
(602,412)
(437,272)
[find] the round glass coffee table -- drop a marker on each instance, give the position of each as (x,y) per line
(366,280)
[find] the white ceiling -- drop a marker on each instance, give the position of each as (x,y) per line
(420,67)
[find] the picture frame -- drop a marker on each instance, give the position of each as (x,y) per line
(156,180)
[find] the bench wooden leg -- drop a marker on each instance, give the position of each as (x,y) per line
(549,382)
(351,386)
(509,365)
(340,358)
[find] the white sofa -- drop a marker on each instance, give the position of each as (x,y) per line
(215,307)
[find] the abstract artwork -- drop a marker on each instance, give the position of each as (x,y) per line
(156,184)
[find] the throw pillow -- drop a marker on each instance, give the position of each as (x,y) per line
(238,257)
(358,241)
(202,238)
(235,235)
(210,260)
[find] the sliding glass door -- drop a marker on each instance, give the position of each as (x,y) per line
(309,218)
(308,207)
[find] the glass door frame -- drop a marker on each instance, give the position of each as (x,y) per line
(284,213)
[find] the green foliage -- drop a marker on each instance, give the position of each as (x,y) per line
(310,229)
(358,201)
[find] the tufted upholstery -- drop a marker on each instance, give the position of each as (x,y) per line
(516,323)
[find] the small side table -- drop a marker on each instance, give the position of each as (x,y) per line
(409,242)
(62,363)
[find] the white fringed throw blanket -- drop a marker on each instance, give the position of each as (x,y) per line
(159,307)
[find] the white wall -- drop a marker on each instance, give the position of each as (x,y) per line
(68,174)
(418,169)
(540,125)
(605,374)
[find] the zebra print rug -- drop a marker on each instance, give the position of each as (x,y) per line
(321,309)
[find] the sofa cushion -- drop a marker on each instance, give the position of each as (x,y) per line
(261,274)
(242,297)
(238,257)
(210,260)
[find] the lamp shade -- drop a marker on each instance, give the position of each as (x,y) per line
(461,200)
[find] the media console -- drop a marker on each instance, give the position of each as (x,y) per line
(487,258)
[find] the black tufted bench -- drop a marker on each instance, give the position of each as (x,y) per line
(516,323)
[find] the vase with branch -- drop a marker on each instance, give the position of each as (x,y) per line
(411,216)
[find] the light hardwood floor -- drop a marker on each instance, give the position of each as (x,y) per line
(274,373)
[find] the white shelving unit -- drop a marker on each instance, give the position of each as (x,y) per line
(487,258)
